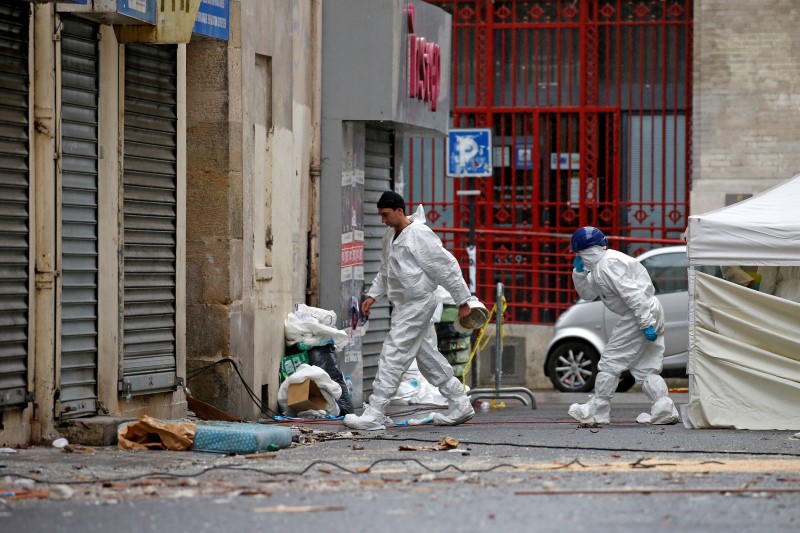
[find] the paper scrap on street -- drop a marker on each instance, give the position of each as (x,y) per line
(445,443)
(298,508)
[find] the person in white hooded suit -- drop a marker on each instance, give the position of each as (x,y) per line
(414,263)
(636,343)
(781,281)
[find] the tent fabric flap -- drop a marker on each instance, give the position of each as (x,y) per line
(762,230)
(744,358)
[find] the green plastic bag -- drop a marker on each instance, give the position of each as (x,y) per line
(290,363)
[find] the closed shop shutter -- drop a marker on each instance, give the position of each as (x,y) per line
(14,202)
(378,178)
(150,218)
(79,175)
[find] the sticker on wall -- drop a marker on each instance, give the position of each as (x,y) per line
(352,257)
(501,156)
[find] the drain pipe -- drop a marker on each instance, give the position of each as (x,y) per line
(315,171)
(43,187)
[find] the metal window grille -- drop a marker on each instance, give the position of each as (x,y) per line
(590,103)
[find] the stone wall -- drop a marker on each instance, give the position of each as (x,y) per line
(746,97)
(249,140)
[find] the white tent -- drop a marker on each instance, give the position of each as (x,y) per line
(762,230)
(744,346)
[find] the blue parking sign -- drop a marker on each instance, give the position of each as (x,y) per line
(469,153)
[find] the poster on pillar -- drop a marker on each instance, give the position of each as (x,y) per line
(352,262)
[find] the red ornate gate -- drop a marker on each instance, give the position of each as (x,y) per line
(589,102)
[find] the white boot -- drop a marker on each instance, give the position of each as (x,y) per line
(460,409)
(370,420)
(595,411)
(663,410)
(598,409)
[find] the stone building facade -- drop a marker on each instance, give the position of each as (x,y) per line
(158,188)
(746,98)
(252,150)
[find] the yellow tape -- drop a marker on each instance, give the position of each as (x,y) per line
(486,342)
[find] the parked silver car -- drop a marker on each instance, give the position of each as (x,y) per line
(581,332)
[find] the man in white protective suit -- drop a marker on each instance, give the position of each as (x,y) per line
(414,263)
(781,281)
(636,343)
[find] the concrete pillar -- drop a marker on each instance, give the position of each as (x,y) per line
(43,185)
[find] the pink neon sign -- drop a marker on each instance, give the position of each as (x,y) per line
(424,65)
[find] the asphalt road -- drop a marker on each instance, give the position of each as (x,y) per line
(513,469)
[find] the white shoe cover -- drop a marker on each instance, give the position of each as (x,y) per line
(595,411)
(370,420)
(457,414)
(663,412)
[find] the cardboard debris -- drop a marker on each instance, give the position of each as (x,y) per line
(149,433)
(304,396)
(445,443)
(207,411)
(77,448)
(262,456)
(298,508)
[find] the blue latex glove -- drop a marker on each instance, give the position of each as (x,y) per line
(578,262)
(650,333)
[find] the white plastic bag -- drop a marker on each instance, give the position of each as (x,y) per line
(442,298)
(306,330)
(415,389)
(323,316)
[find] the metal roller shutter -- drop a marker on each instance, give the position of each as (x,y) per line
(149,198)
(378,178)
(14,201)
(79,175)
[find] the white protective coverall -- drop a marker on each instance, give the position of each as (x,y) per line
(413,265)
(626,289)
(781,281)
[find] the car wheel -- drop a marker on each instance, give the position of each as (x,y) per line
(572,366)
(626,381)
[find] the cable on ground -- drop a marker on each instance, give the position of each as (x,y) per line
(263,407)
(320,462)
(587,448)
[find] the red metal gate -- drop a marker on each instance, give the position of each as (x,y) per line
(589,102)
